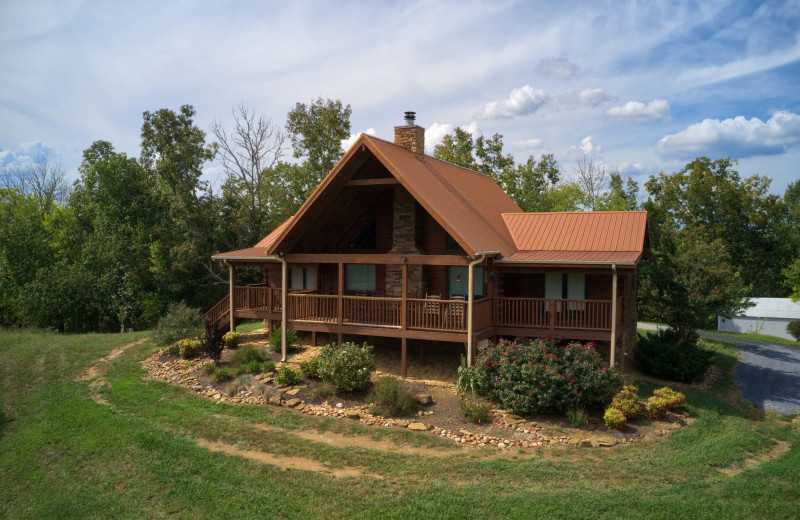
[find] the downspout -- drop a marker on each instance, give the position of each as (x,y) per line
(283,305)
(613,313)
(470,303)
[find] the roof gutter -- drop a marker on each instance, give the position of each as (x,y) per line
(566,262)
(481,256)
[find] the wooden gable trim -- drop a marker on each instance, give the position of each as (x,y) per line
(468,248)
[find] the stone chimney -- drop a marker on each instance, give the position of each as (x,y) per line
(410,136)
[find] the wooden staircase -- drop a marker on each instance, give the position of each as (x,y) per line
(220,314)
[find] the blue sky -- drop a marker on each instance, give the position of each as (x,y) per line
(639,86)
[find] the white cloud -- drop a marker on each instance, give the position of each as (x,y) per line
(347,143)
(521,102)
(588,147)
(558,68)
(531,143)
(592,96)
(631,168)
(656,109)
(434,135)
(26,154)
(738,137)
(436,132)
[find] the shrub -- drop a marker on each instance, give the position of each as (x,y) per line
(663,354)
(466,380)
(287,376)
(231,339)
(267,366)
(188,348)
(475,410)
(348,367)
(674,399)
(212,342)
(171,350)
(221,375)
(627,402)
(323,391)
(238,384)
(793,329)
(245,355)
(275,339)
(310,368)
(614,419)
(391,397)
(657,407)
(180,322)
(540,376)
(209,368)
(577,418)
(263,390)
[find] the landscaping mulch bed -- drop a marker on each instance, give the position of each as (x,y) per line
(442,416)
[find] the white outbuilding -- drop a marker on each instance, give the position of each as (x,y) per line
(768,316)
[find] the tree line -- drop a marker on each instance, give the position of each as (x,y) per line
(133,234)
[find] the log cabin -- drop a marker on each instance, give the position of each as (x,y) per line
(396,243)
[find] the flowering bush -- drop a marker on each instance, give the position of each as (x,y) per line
(540,376)
(627,402)
(347,367)
(615,419)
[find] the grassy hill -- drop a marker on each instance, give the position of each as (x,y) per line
(116,445)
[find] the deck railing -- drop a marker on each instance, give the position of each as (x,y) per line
(437,315)
(361,310)
(426,315)
(550,313)
(322,308)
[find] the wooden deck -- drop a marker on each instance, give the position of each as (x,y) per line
(423,318)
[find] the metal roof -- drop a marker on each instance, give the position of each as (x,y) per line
(589,236)
(250,253)
(480,216)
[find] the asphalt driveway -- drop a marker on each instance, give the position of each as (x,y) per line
(767,375)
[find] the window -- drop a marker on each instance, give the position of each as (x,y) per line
(367,238)
(302,278)
(458,278)
(359,277)
(567,286)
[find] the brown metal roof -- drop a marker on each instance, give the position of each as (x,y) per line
(250,253)
(468,204)
(480,216)
(267,241)
(597,236)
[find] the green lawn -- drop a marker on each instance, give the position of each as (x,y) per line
(66,456)
(757,337)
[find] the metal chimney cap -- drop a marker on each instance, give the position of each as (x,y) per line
(410,117)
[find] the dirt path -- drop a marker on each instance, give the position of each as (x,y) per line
(779,449)
(96,373)
(339,440)
(283,462)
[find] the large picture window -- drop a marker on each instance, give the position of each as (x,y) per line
(458,281)
(359,277)
(302,278)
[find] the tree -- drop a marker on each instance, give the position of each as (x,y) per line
(457,148)
(590,177)
(708,197)
(688,281)
(44,179)
(249,153)
(175,149)
(316,131)
(621,194)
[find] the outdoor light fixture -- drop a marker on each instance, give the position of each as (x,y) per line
(458,277)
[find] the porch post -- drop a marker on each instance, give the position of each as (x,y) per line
(613,313)
(470,304)
(403,321)
(284,299)
(231,277)
(340,311)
